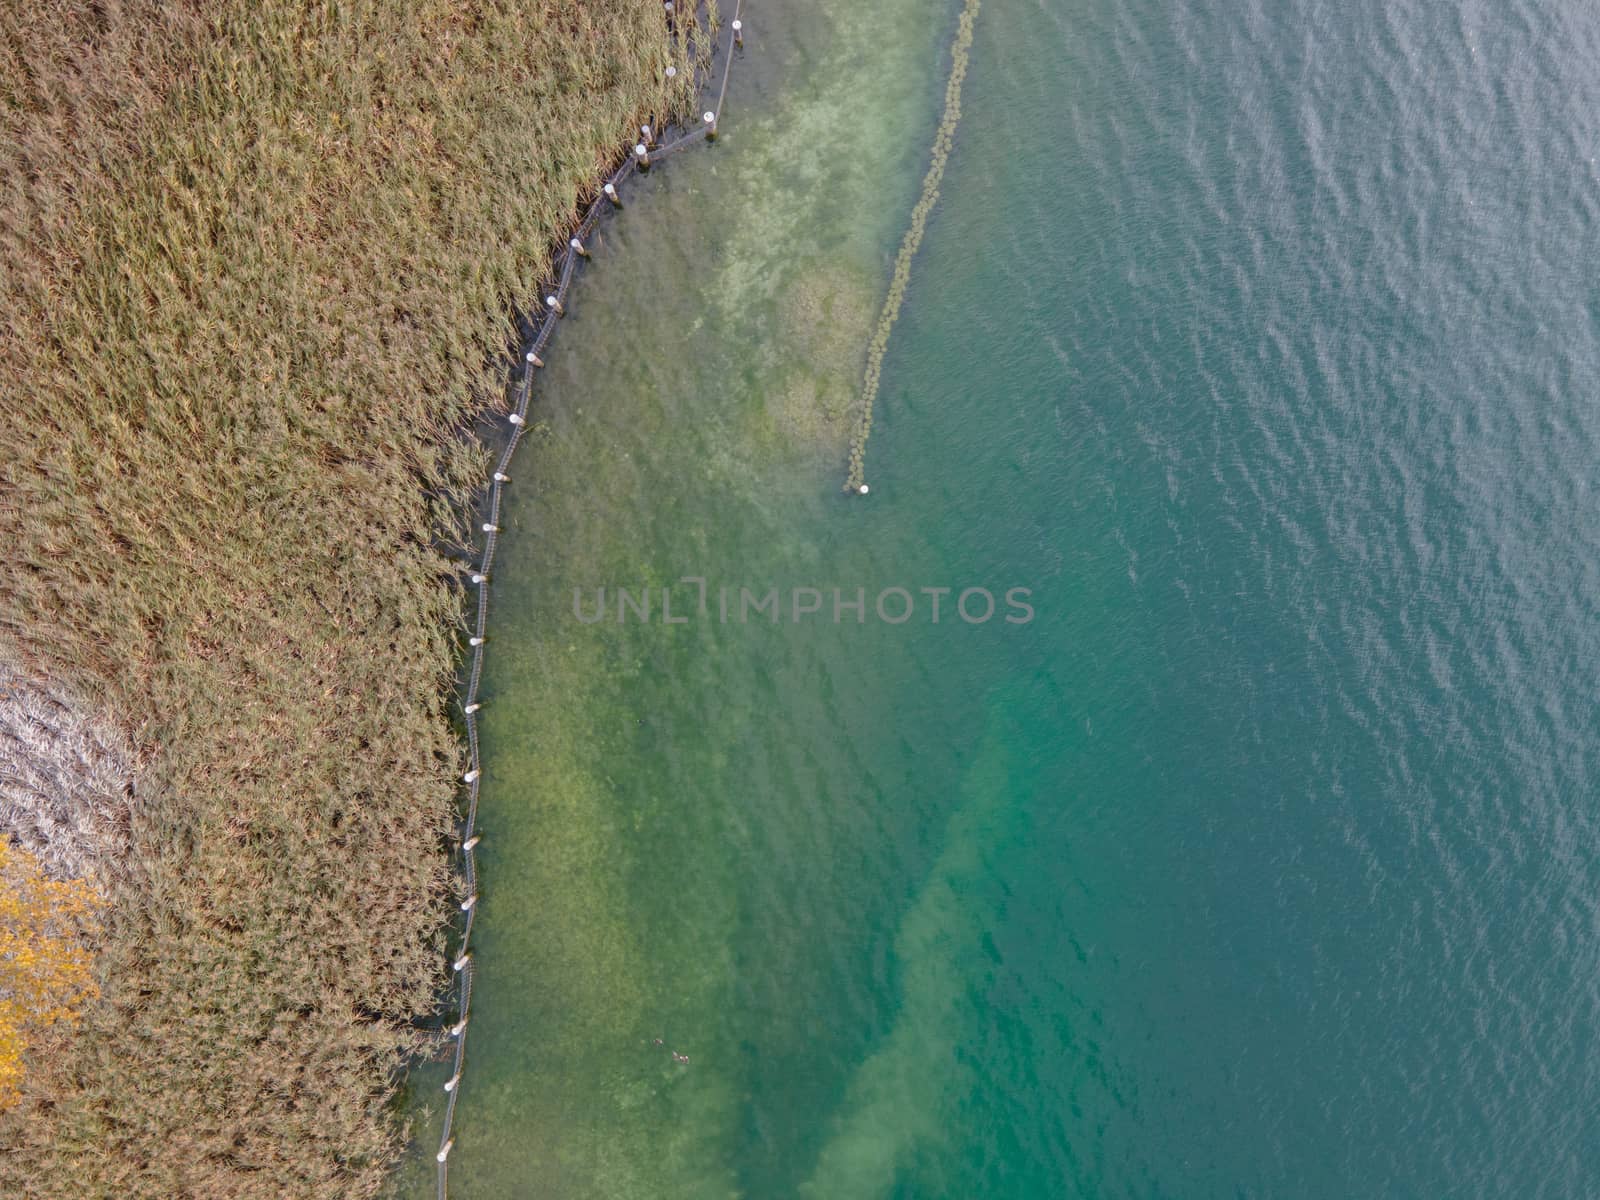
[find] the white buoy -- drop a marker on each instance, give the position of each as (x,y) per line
(466,905)
(471,841)
(499,478)
(578,248)
(554,304)
(444,1151)
(672,72)
(470,775)
(611,194)
(462,962)
(458,1028)
(864,489)
(534,359)
(738,33)
(471,708)
(515,419)
(476,641)
(450,1084)
(480,577)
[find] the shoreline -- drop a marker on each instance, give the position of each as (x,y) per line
(728,288)
(645,154)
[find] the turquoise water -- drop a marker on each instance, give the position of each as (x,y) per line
(1259,342)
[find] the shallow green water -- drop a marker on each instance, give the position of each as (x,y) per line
(1258,345)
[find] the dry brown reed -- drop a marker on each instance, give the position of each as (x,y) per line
(256,262)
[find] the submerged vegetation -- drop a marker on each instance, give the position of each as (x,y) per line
(258,260)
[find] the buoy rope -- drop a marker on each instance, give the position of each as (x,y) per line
(960,51)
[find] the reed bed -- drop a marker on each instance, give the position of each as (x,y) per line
(257,264)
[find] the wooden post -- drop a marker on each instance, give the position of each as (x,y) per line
(643,155)
(710,118)
(738,34)
(555,306)
(611,193)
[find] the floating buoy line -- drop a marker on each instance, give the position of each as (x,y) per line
(644,154)
(960,52)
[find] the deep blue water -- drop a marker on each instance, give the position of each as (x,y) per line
(1293,406)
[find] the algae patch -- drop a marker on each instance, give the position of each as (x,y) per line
(815,353)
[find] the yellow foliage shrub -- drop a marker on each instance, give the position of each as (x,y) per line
(45,927)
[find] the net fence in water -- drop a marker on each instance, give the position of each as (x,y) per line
(522,398)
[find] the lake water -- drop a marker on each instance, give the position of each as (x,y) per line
(1260,343)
